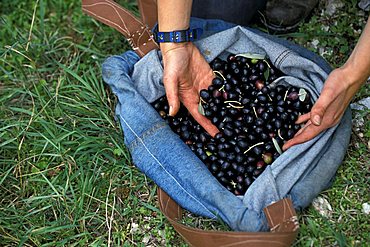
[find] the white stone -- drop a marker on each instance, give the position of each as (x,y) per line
(325,28)
(146,239)
(366,208)
(315,43)
(362,104)
(364,4)
(332,6)
(322,205)
(134,227)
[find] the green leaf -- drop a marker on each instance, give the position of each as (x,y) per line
(277,147)
(42,164)
(302,94)
(117,152)
(252,56)
(200,108)
(34,169)
(266,74)
(42,82)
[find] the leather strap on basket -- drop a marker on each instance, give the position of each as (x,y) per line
(281,217)
(148,11)
(112,14)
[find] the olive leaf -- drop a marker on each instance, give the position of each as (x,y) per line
(200,108)
(251,56)
(277,147)
(266,74)
(302,94)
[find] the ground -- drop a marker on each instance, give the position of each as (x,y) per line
(66,177)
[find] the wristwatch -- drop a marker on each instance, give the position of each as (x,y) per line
(177,36)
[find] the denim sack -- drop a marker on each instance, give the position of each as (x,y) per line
(300,173)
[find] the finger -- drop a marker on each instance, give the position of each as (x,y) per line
(303,128)
(172,92)
(303,118)
(319,108)
(290,142)
(203,121)
(309,132)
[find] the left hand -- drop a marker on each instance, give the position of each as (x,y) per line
(336,95)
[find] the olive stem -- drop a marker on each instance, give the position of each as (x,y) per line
(255,113)
(233,184)
(241,55)
(286,94)
(267,63)
(232,101)
(202,100)
(255,145)
(220,74)
(279,134)
(235,106)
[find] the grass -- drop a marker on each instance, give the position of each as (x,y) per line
(66,178)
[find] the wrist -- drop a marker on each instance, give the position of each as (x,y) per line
(355,77)
(169,27)
(166,47)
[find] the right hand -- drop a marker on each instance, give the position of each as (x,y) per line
(186,72)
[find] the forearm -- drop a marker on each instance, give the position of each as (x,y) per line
(357,66)
(173,15)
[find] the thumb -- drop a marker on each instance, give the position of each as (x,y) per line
(319,108)
(172,92)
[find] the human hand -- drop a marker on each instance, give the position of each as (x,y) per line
(329,108)
(186,72)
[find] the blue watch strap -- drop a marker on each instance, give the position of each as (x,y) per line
(177,36)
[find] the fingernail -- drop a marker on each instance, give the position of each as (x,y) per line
(317,119)
(171,111)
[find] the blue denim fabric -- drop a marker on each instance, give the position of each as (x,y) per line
(301,173)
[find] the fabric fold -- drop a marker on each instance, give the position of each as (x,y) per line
(299,173)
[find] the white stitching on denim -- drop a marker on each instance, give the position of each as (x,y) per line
(163,167)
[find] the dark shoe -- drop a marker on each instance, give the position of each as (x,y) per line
(285,15)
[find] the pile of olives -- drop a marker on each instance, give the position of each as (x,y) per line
(253,114)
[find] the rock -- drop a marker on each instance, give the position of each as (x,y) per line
(332,6)
(146,239)
(366,208)
(315,43)
(361,105)
(325,28)
(364,5)
(322,206)
(134,227)
(358,121)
